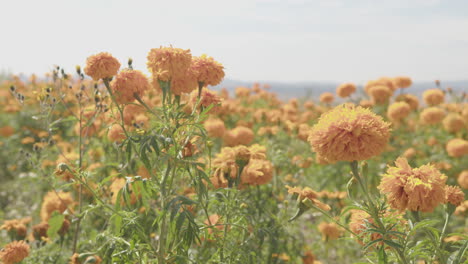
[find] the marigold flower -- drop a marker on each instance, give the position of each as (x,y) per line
(398,111)
(454,195)
(462,209)
(366,103)
(433,96)
(185,83)
(207,98)
(6,131)
(14,252)
(380,94)
(55,201)
(308,193)
(166,63)
(409,153)
(257,172)
(330,231)
(327,98)
(215,127)
(402,82)
(382,81)
(410,99)
(432,115)
(101,66)
(345,90)
(453,123)
(116,133)
(128,84)
(238,136)
(208,71)
(308,258)
(463,179)
(349,133)
(457,147)
(130,112)
(419,189)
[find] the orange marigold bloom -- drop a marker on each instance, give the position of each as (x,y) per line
(382,81)
(257,172)
(116,133)
(419,189)
(398,111)
(242,92)
(454,195)
(433,96)
(208,71)
(330,231)
(166,63)
(410,99)
(457,147)
(128,84)
(463,179)
(402,82)
(6,131)
(432,115)
(380,94)
(130,112)
(346,89)
(14,252)
(101,66)
(366,103)
(308,193)
(208,98)
(327,98)
(215,127)
(55,201)
(185,83)
(349,133)
(238,136)
(453,123)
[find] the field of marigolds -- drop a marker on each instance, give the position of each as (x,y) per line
(107,165)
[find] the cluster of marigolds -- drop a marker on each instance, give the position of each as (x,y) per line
(356,130)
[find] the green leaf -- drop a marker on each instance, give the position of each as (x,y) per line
(382,256)
(55,223)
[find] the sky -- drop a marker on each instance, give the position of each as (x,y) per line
(255,40)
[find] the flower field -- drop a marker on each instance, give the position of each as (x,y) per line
(108,165)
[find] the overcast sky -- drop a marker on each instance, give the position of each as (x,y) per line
(275,40)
